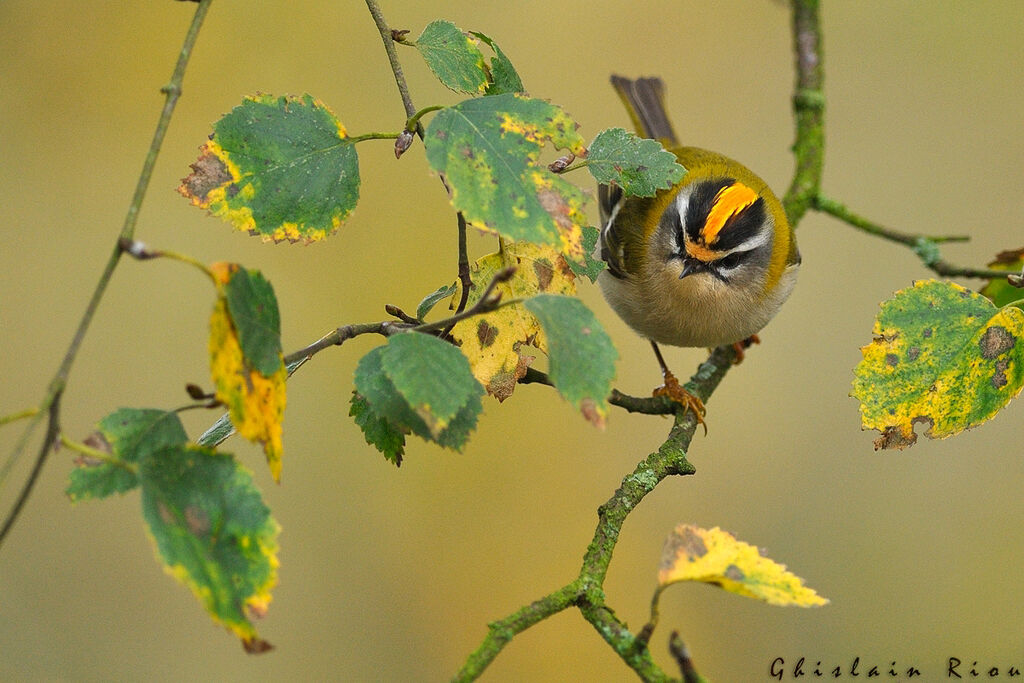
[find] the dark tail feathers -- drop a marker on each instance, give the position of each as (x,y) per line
(645,101)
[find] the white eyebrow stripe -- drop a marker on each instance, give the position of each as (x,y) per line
(753,242)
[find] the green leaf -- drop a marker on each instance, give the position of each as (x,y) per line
(280,167)
(488,149)
(129,435)
(379,433)
(382,396)
(639,166)
(504,77)
(1000,291)
(430,300)
(588,266)
(253,308)
(943,356)
(213,533)
(432,376)
(453,57)
(582,357)
(419,387)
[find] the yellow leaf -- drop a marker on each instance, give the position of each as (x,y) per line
(255,401)
(494,342)
(716,556)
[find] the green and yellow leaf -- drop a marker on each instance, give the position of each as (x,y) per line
(588,266)
(489,149)
(494,342)
(283,168)
(717,557)
(503,77)
(255,400)
(943,356)
(213,533)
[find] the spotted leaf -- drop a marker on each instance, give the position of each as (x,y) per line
(639,166)
(717,557)
(943,356)
(213,533)
(495,343)
(283,168)
(489,148)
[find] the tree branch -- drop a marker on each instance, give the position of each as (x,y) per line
(396,66)
(925,246)
(809,111)
(49,405)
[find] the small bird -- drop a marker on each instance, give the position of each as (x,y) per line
(704,263)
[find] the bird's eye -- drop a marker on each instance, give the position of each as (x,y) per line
(731,261)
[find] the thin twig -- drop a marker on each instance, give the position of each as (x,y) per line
(500,632)
(485,304)
(464,278)
(342,334)
(48,406)
(925,246)
(396,67)
(682,656)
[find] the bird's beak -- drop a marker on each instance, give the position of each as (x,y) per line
(691,266)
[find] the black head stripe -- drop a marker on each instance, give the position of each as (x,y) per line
(741,226)
(702,199)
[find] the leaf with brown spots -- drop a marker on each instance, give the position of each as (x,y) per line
(717,557)
(943,356)
(213,533)
(283,168)
(489,152)
(495,342)
(209,524)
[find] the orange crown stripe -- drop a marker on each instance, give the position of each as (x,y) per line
(728,202)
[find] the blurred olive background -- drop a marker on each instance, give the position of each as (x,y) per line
(393,575)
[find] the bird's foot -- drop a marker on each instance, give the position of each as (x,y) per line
(741,346)
(675,391)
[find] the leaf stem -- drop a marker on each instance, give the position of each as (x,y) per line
(139,251)
(373,136)
(49,406)
(97,454)
(412,125)
(20,415)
